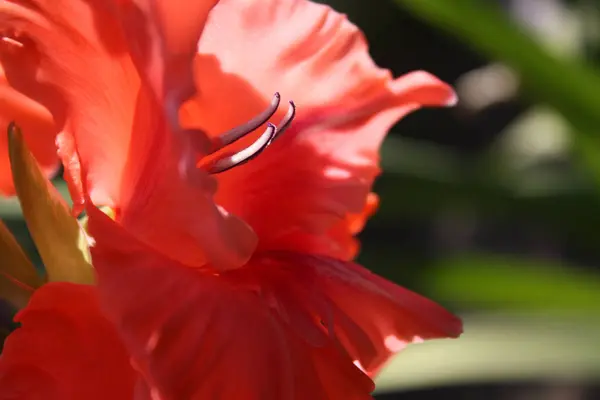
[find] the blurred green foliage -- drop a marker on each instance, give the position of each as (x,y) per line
(571,86)
(510,283)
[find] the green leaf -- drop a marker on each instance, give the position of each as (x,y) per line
(54,230)
(505,282)
(18,277)
(10,208)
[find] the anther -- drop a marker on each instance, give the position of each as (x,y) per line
(266,138)
(286,121)
(240,131)
(12,42)
(243,156)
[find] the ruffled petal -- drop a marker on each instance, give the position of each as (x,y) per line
(65,349)
(373,317)
(190,331)
(64,44)
(18,276)
(321,170)
(342,234)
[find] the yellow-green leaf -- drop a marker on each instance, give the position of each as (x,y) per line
(18,277)
(54,230)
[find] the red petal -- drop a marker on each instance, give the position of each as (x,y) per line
(38,127)
(65,42)
(321,170)
(343,233)
(191,331)
(65,349)
(166,48)
(376,318)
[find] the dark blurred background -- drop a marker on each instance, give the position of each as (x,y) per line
(491,208)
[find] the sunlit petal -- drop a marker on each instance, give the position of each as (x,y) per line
(299,192)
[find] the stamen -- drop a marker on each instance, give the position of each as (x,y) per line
(12,42)
(243,156)
(286,121)
(188,163)
(272,132)
(240,131)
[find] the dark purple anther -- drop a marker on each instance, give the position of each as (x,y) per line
(269,135)
(243,156)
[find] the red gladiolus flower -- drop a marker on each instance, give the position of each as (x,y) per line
(279,311)
(227,280)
